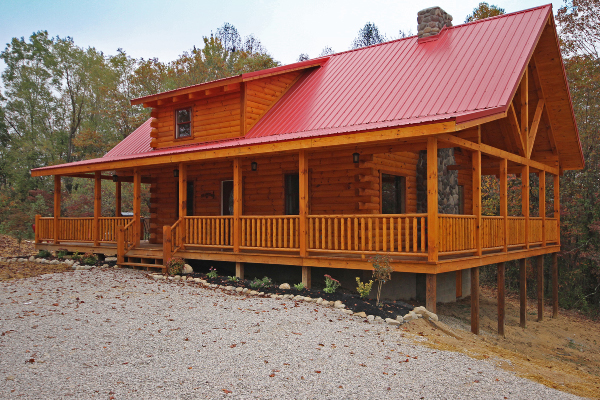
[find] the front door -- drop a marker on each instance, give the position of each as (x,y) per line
(227,198)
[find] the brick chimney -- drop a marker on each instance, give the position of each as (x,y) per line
(431,21)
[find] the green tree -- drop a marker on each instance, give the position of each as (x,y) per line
(484,10)
(368,35)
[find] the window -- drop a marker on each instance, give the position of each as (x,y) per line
(393,194)
(227,198)
(183,118)
(292,194)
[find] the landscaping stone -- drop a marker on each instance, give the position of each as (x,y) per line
(361,314)
(319,300)
(349,312)
(370,318)
(378,319)
(400,319)
(32,258)
(177,277)
(110,259)
(284,286)
(339,304)
(239,289)
(187,269)
(392,321)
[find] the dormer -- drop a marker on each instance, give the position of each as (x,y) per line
(219,110)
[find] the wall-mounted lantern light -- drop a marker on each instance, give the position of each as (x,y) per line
(254,166)
(355,158)
(176,173)
(115,178)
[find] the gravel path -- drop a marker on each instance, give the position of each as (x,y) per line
(117,334)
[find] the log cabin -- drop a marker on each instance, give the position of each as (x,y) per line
(326,162)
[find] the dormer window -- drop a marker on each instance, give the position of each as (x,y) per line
(183,127)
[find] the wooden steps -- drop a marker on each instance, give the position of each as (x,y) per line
(146,260)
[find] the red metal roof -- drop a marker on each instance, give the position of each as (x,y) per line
(468,69)
(466,72)
(137,142)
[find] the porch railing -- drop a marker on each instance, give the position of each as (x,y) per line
(109,227)
(273,232)
(493,232)
(373,233)
(456,233)
(128,235)
(45,228)
(76,229)
(516,231)
(551,230)
(209,231)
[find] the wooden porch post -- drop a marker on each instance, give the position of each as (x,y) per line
(37,228)
(57,196)
(431,292)
(501,298)
(432,199)
(542,205)
(97,206)
(237,208)
(167,248)
(476,160)
(523,292)
(504,199)
(239,270)
(557,205)
(554,285)
(118,199)
(303,183)
(525,200)
(475,300)
(137,205)
(182,202)
(540,287)
(306,276)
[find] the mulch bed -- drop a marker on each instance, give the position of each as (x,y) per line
(388,309)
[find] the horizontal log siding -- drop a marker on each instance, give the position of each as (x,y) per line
(214,118)
(262,94)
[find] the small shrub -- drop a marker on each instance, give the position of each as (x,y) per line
(233,278)
(44,253)
(364,288)
(76,256)
(382,271)
(331,284)
(212,273)
(62,253)
(299,286)
(89,259)
(261,283)
(175,266)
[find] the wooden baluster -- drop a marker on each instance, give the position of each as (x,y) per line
(342,234)
(376,234)
(415,234)
(384,232)
(399,234)
(356,242)
(422,234)
(329,244)
(362,234)
(349,238)
(336,235)
(406,236)
(392,234)
(264,232)
(323,233)
(285,232)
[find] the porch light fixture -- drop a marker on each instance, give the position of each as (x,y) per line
(115,178)
(254,166)
(355,158)
(176,173)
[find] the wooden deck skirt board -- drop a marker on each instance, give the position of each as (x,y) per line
(341,261)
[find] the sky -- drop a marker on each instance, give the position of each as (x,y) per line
(165,29)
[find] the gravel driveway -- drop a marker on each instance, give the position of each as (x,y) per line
(117,334)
